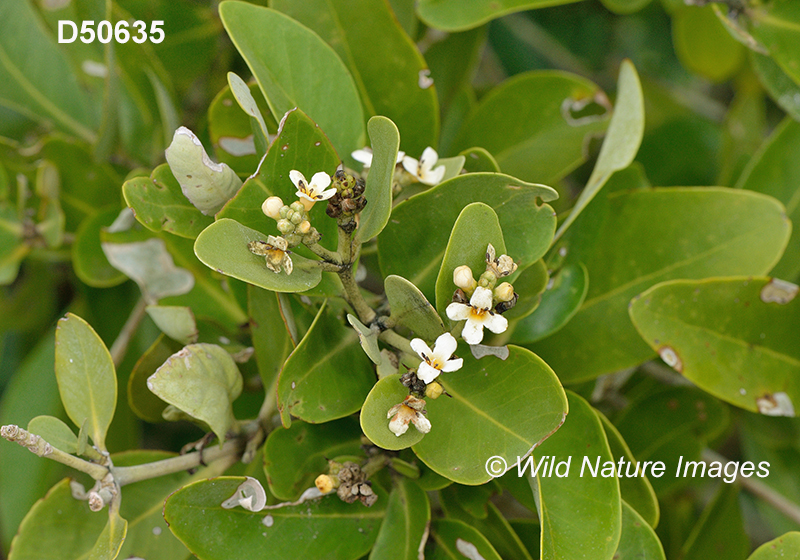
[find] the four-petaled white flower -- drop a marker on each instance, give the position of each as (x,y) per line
(437,360)
(364,157)
(423,169)
(410,410)
(314,191)
(478,314)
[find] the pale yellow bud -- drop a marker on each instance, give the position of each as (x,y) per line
(324,483)
(504,292)
(462,277)
(304,227)
(272,207)
(434,390)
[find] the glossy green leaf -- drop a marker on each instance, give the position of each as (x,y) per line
(403,527)
(624,135)
(386,393)
(744,130)
(580,515)
(541,140)
(624,7)
(295,456)
(560,302)
(302,145)
(160,205)
(142,401)
(775,170)
(222,246)
(245,99)
(409,249)
(202,380)
(399,91)
(327,376)
(87,381)
(385,141)
(109,543)
(315,528)
(288,61)
(782,547)
(703,45)
(529,286)
(457,15)
(88,259)
(776,26)
(638,540)
(452,166)
(636,491)
(750,360)
(36,78)
(453,62)
(476,227)
(783,90)
(502,407)
(455,540)
(410,309)
(55,432)
(271,338)
(720,530)
(670,233)
(176,322)
(478,160)
(367,337)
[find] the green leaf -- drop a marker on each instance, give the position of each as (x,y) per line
(295,456)
(720,530)
(455,540)
(413,243)
(300,145)
(160,205)
(410,309)
(385,141)
(386,393)
(248,535)
(289,61)
(453,61)
(636,491)
(478,160)
(580,515)
(176,322)
(88,259)
(540,140)
(109,543)
(480,415)
(638,540)
(703,45)
(624,7)
(560,302)
(55,432)
(245,99)
(222,246)
(458,15)
(405,523)
(367,337)
(774,170)
(400,92)
(476,227)
(622,141)
(86,378)
(36,79)
(778,548)
(327,376)
(271,338)
(750,360)
(669,233)
(202,380)
(776,26)
(142,401)
(783,90)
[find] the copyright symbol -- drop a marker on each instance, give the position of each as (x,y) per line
(496,466)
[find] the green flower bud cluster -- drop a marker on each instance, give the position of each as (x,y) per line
(293,222)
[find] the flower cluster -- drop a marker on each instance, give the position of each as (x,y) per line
(423,170)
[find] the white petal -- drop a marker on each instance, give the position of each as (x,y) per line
(400,156)
(411,165)
(452,365)
(320,181)
(364,157)
(296,177)
(397,426)
(495,323)
(427,373)
(428,160)
(418,345)
(472,332)
(394,410)
(432,177)
(422,423)
(301,194)
(445,346)
(287,264)
(457,311)
(482,298)
(326,194)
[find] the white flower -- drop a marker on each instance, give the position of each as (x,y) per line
(312,192)
(478,314)
(364,157)
(437,360)
(410,410)
(423,169)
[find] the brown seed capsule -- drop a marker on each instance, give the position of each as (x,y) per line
(504,306)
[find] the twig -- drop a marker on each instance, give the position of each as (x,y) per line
(120,346)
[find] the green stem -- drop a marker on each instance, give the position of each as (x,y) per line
(400,342)
(352,294)
(120,345)
(374,464)
(325,254)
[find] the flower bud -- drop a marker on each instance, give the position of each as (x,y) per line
(285,226)
(297,206)
(462,277)
(272,207)
(296,218)
(325,483)
(303,227)
(487,280)
(284,211)
(434,390)
(504,292)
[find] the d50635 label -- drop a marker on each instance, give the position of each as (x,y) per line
(105,31)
